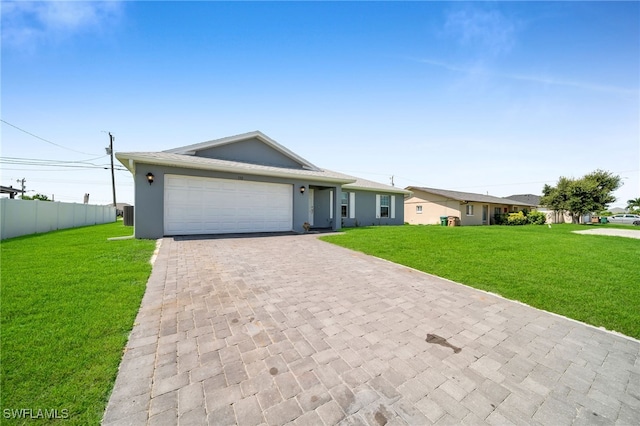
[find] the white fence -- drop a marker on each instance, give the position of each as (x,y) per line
(23,217)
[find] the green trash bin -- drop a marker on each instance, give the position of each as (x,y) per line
(443,220)
(604,220)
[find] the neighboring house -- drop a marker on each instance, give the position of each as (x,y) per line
(530,199)
(120,208)
(249,183)
(11,191)
(426,205)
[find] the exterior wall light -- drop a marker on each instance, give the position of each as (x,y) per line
(150,178)
(302,189)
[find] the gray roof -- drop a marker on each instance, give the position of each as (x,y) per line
(530,199)
(469,196)
(184,157)
(10,189)
(191,149)
(369,185)
(129,160)
(189,161)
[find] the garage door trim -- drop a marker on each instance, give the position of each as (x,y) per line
(205,205)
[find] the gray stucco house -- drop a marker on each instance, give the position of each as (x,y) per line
(249,183)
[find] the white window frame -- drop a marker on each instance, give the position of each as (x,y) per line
(419,209)
(380,205)
(384,198)
(344,205)
(391,207)
(469,210)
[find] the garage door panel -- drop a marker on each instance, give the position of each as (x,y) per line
(195,205)
(175,195)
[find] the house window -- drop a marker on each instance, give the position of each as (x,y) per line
(344,209)
(418,209)
(384,206)
(469,209)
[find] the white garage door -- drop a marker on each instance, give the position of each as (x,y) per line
(195,205)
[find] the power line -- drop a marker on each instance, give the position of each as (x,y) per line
(79,182)
(43,139)
(94,166)
(78,168)
(55,163)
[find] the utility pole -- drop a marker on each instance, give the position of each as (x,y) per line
(113,177)
(21,182)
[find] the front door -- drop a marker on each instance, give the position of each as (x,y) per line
(485,215)
(311,208)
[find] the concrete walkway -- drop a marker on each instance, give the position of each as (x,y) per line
(612,232)
(279,329)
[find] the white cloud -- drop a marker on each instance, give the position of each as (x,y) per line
(488,30)
(26,24)
(540,79)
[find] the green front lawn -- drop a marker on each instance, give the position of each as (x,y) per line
(591,278)
(69,299)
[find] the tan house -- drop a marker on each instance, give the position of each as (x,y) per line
(427,205)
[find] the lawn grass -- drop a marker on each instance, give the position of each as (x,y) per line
(591,278)
(69,300)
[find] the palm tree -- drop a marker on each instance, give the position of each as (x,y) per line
(632,204)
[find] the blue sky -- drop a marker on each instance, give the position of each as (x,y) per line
(481,97)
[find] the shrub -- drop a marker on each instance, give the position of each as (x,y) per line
(40,197)
(536,218)
(516,219)
(500,219)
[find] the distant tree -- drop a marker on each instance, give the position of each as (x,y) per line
(633,204)
(591,193)
(556,197)
(40,197)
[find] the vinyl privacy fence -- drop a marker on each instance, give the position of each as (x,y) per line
(23,217)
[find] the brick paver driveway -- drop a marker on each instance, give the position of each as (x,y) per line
(278,329)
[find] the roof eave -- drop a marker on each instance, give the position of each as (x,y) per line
(506,201)
(417,188)
(362,188)
(129,160)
